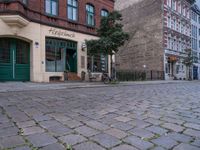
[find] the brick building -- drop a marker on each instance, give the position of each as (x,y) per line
(40,39)
(159,34)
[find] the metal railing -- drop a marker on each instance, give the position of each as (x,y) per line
(139,75)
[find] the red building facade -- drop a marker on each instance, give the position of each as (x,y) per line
(50,36)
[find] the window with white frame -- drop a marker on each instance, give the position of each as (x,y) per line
(104,13)
(90,15)
(51,7)
(72,10)
(169,3)
(169,22)
(174,4)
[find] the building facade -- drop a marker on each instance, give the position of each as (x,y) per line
(160,31)
(41,39)
(195,35)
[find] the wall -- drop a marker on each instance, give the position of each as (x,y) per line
(35,11)
(34,32)
(142,19)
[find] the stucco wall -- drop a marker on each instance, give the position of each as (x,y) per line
(33,33)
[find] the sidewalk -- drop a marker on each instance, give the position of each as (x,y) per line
(30,86)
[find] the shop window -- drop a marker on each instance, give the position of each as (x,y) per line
(51,7)
(72,10)
(104,13)
(97,63)
(60,56)
(4,51)
(90,15)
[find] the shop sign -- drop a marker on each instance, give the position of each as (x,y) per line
(61,33)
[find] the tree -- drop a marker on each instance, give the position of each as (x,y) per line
(111,37)
(188,61)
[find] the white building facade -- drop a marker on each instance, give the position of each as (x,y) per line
(195,41)
(177,37)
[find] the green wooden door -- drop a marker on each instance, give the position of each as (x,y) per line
(14,60)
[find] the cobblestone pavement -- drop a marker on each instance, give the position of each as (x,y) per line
(152,116)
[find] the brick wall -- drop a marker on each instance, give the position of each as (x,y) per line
(142,19)
(35,11)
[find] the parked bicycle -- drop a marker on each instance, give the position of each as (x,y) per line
(107,79)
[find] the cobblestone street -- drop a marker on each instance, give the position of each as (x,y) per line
(146,116)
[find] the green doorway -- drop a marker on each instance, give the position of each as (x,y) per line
(14,60)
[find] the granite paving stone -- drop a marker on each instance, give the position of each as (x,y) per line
(32,130)
(165,142)
(49,123)
(97,125)
(153,115)
(180,137)
(116,133)
(72,139)
(174,127)
(196,142)
(88,146)
(124,147)
(106,140)
(138,142)
(157,130)
(191,132)
(123,119)
(11,131)
(141,133)
(72,123)
(184,146)
(86,131)
(192,125)
(59,130)
(41,140)
(122,126)
(26,124)
(55,146)
(11,142)
(23,148)
(158,148)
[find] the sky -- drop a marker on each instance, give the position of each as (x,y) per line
(198,2)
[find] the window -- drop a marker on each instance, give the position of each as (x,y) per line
(199,44)
(169,22)
(90,15)
(104,13)
(25,2)
(169,3)
(51,7)
(98,63)
(4,51)
(60,55)
(173,4)
(72,7)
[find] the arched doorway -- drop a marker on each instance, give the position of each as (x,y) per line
(14,60)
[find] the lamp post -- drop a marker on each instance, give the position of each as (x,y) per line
(144,66)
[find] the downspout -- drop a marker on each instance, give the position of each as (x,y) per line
(162,9)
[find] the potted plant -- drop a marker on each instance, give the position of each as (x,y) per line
(66,75)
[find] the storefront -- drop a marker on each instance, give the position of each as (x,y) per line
(34,52)
(174,68)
